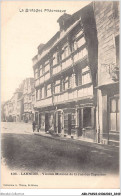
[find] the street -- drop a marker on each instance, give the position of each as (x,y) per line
(22,150)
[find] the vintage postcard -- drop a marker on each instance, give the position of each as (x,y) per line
(60,95)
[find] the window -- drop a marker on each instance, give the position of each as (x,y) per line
(65,51)
(55,58)
(36,73)
(57,86)
(47,67)
(48,90)
(74,45)
(66,84)
(62,55)
(86,78)
(41,70)
(81,42)
(32,97)
(42,91)
(57,89)
(85,69)
(113,105)
(70,82)
(79,77)
(73,119)
(37,95)
(79,33)
(29,97)
(114,114)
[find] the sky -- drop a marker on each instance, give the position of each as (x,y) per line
(22,32)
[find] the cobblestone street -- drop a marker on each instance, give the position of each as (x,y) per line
(22,150)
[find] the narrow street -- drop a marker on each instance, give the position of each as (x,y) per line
(22,150)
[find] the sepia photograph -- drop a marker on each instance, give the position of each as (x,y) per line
(60,120)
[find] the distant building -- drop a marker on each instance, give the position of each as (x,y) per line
(6,111)
(20,109)
(21,106)
(14,106)
(107,23)
(65,71)
(28,89)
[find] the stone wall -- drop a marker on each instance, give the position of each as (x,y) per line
(107,23)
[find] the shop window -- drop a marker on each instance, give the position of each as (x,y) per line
(51,122)
(65,120)
(113,106)
(73,119)
(114,114)
(87,117)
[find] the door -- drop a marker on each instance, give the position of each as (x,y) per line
(36,118)
(59,122)
(46,122)
(39,121)
(69,124)
(87,117)
(80,121)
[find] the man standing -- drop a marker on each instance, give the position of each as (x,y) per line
(33,125)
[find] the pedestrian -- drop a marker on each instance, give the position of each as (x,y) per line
(33,125)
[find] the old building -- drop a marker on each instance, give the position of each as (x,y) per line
(6,111)
(107,23)
(65,72)
(28,90)
(20,109)
(16,111)
(12,109)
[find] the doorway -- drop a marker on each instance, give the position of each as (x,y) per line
(46,122)
(87,117)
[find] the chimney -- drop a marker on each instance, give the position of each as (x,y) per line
(62,20)
(40,48)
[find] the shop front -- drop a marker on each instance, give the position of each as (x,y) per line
(109,119)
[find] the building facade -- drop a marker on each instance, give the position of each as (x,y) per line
(65,72)
(12,108)
(28,90)
(107,23)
